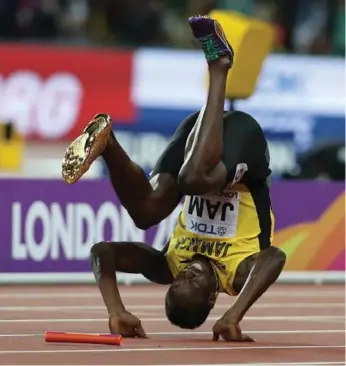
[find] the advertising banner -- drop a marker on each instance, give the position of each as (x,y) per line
(48,227)
(51,92)
(303,95)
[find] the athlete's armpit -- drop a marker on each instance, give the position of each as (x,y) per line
(160,203)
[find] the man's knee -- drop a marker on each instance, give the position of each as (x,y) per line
(190,181)
(277,255)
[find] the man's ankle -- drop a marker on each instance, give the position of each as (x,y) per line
(223,64)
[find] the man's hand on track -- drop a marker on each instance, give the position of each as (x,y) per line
(229,331)
(126,325)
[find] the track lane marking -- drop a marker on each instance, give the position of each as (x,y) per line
(163,319)
(166,349)
(159,307)
(310,331)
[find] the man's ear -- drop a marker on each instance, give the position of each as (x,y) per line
(212,299)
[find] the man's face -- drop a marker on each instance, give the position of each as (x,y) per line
(194,282)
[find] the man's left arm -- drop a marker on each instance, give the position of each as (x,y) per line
(267,268)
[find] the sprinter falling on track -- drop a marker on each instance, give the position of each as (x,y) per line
(222,242)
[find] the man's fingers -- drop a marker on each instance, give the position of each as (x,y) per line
(129,334)
(227,337)
(215,336)
(246,338)
(140,332)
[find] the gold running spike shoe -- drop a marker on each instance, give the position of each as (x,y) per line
(86,148)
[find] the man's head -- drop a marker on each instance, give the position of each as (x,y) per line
(192,295)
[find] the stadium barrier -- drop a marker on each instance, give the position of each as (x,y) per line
(48,228)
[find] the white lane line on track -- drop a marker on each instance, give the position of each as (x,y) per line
(161,319)
(154,294)
(307,331)
(327,363)
(165,349)
(161,307)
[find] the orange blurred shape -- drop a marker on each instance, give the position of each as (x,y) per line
(63,337)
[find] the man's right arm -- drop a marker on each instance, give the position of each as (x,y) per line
(108,258)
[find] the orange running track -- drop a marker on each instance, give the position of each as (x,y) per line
(292,325)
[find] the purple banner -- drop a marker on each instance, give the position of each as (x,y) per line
(49,226)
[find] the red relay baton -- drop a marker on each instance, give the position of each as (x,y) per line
(67,337)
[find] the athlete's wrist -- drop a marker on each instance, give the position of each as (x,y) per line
(232,316)
(116,312)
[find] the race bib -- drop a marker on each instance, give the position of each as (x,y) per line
(214,214)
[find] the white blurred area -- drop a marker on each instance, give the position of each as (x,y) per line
(43,161)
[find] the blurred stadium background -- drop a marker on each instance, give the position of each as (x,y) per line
(62,61)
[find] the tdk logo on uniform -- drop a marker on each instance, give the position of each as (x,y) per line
(208,228)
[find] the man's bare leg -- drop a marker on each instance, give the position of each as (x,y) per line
(203,170)
(147,203)
(128,179)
